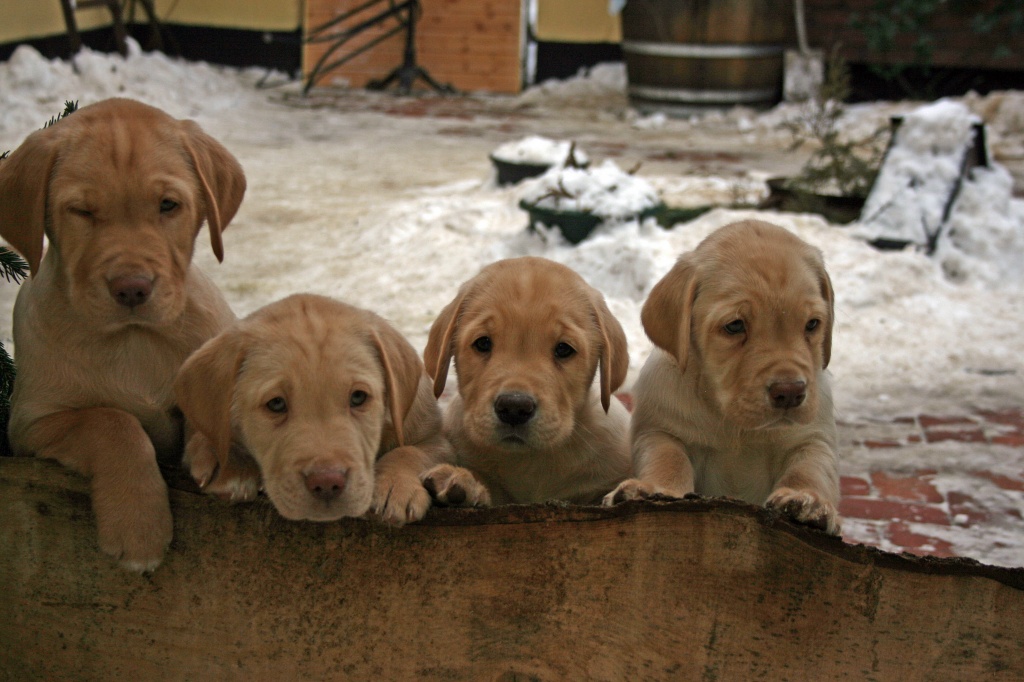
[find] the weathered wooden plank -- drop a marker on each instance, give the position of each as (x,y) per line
(694,589)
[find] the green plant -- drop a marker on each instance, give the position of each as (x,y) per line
(839,165)
(69,108)
(888,22)
(13,269)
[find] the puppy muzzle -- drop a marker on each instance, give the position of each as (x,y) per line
(514,417)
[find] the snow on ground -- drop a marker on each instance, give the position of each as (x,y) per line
(605,190)
(393,212)
(540,151)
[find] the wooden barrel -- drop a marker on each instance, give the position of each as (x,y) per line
(684,56)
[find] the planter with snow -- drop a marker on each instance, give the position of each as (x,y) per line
(533,156)
(786,195)
(578,200)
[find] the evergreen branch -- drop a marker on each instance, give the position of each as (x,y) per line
(69,108)
(837,164)
(7,374)
(13,267)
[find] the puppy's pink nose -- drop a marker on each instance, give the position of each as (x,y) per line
(130,291)
(787,394)
(326,483)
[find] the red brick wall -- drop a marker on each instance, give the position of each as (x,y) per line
(954,43)
(473,45)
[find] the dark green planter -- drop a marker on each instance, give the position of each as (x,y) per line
(575,226)
(835,208)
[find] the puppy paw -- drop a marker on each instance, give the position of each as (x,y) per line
(806,507)
(239,480)
(398,500)
(635,489)
(455,486)
(134,523)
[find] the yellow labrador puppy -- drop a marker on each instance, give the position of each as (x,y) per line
(120,190)
(735,401)
(329,401)
(529,424)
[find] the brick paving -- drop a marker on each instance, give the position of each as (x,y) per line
(971,503)
(937,485)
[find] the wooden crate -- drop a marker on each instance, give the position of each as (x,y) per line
(473,45)
(701,589)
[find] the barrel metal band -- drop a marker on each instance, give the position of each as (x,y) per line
(701,51)
(736,96)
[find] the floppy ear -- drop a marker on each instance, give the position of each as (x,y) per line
(437,356)
(24,184)
(402,373)
(830,298)
(220,177)
(614,351)
(667,314)
(205,388)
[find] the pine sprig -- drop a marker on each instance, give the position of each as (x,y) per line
(7,374)
(838,164)
(69,108)
(13,267)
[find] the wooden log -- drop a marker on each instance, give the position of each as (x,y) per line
(694,589)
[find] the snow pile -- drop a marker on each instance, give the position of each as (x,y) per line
(1003,113)
(34,88)
(691,191)
(540,151)
(973,224)
(623,260)
(919,175)
(654,121)
(605,191)
(600,88)
(984,238)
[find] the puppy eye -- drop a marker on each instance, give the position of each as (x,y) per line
(735,327)
(168,205)
(80,212)
(483,344)
(564,350)
(277,405)
(357,398)
(812,325)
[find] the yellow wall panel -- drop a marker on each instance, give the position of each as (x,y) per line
(261,15)
(576,21)
(27,19)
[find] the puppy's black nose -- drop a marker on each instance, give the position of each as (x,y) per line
(514,408)
(787,394)
(326,483)
(130,291)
